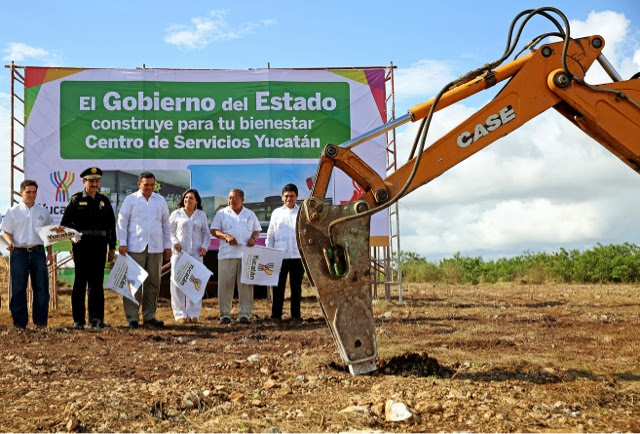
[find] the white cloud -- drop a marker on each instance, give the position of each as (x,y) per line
(214,27)
(424,77)
(505,228)
(18,52)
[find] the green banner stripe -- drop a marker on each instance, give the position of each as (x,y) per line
(201,120)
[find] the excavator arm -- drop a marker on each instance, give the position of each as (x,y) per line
(334,239)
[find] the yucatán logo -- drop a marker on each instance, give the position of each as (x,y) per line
(492,123)
(197,283)
(62,181)
(132,286)
(266,268)
(256,267)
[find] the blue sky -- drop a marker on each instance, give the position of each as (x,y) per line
(544,187)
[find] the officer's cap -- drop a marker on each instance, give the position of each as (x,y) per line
(91,173)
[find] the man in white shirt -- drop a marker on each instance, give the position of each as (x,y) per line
(20,227)
(282,235)
(144,234)
(235,226)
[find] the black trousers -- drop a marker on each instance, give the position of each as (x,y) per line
(295,270)
(89,255)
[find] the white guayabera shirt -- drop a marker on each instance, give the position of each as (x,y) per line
(240,226)
(143,223)
(282,231)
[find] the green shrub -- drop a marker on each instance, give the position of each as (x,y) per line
(602,264)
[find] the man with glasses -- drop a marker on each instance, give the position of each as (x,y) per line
(235,226)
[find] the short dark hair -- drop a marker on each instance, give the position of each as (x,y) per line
(290,187)
(146,175)
(195,193)
(238,191)
(28,183)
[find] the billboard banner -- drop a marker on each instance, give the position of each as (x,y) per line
(204,129)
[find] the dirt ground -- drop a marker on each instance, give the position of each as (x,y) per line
(452,358)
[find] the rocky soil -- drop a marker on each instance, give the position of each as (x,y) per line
(452,358)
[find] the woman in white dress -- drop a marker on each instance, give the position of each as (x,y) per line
(189,234)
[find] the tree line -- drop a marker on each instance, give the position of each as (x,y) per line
(613,263)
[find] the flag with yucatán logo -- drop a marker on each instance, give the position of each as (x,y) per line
(191,277)
(261,265)
(51,234)
(126,277)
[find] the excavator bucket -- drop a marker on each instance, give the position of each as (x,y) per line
(339,267)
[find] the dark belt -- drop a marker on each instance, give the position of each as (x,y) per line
(93,233)
(29,249)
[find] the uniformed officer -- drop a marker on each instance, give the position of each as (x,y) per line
(91,214)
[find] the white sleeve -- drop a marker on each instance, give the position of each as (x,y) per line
(122,226)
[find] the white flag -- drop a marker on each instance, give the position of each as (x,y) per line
(261,265)
(191,277)
(126,277)
(52,234)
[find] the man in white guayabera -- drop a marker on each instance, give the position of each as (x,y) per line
(235,226)
(144,234)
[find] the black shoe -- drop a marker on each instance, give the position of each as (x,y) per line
(98,324)
(78,326)
(244,320)
(133,324)
(154,323)
(276,319)
(225,320)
